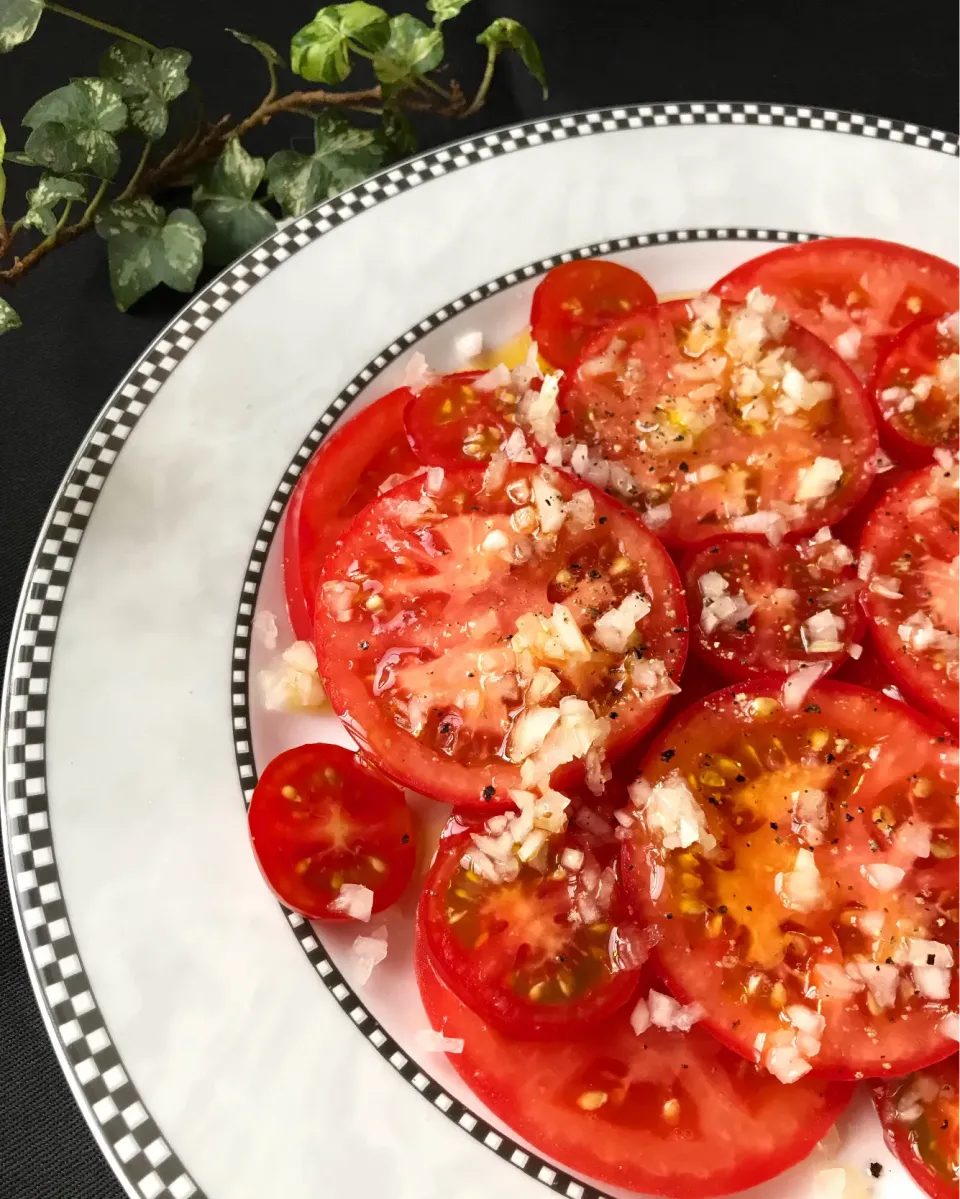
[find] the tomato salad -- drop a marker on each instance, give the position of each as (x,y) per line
(666,888)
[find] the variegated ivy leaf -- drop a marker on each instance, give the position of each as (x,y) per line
(18,22)
(148,80)
(320,51)
(73,128)
(145,248)
(223,200)
(42,199)
(3,178)
(343,155)
(445,10)
(507,34)
(8,317)
(412,49)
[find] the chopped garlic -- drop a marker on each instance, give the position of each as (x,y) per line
(369,952)
(265,623)
(800,888)
(613,630)
(880,978)
(847,344)
(494,379)
(822,632)
(950,1026)
(770,524)
(666,1013)
(799,682)
(816,482)
(883,876)
(786,1063)
(295,683)
(651,679)
(671,813)
(549,502)
(640,1017)
(417,375)
(355,901)
(468,346)
(430,1041)
(529,732)
(719,607)
(657,516)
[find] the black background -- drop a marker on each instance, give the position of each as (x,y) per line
(887,58)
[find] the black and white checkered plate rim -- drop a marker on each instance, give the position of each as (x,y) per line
(144,1162)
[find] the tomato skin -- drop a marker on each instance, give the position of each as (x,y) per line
(937,1179)
(341,477)
(927,582)
(737,1126)
(707,964)
(914,351)
(363,656)
(901,284)
(766,648)
(481,975)
(576,299)
(602,407)
(343,818)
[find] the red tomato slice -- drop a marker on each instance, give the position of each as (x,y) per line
(546,954)
(916,388)
(448,613)
(800,868)
(664,1113)
(724,433)
(320,818)
(854,292)
(919,1116)
(575,300)
(341,478)
(455,423)
(912,598)
(755,608)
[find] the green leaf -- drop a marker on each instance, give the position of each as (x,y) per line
(145,248)
(42,199)
(8,317)
(445,10)
(343,156)
(3,178)
(18,24)
(412,49)
(320,51)
(148,80)
(223,200)
(73,128)
(399,133)
(507,34)
(272,56)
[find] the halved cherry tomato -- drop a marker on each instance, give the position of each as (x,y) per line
(916,388)
(920,1123)
(755,608)
(764,431)
(800,868)
(854,292)
(343,475)
(455,423)
(910,546)
(449,612)
(577,299)
(543,950)
(321,818)
(664,1113)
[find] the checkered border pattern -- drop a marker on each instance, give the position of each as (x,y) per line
(530,1163)
(143,1161)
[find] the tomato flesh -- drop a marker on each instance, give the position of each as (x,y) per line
(755,608)
(520,950)
(663,1113)
(577,299)
(445,616)
(855,289)
(916,388)
(320,819)
(834,865)
(920,1123)
(342,477)
(912,598)
(711,411)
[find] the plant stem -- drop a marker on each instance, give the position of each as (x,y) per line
(137,172)
(96,24)
(59,237)
(485,82)
(426,81)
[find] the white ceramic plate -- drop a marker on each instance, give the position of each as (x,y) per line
(212,1050)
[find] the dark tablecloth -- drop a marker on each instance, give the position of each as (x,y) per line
(881,57)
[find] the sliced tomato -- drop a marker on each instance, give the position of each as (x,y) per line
(910,546)
(343,475)
(800,867)
(577,299)
(727,420)
(916,387)
(453,422)
(920,1124)
(449,612)
(664,1113)
(853,292)
(755,608)
(320,819)
(541,950)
